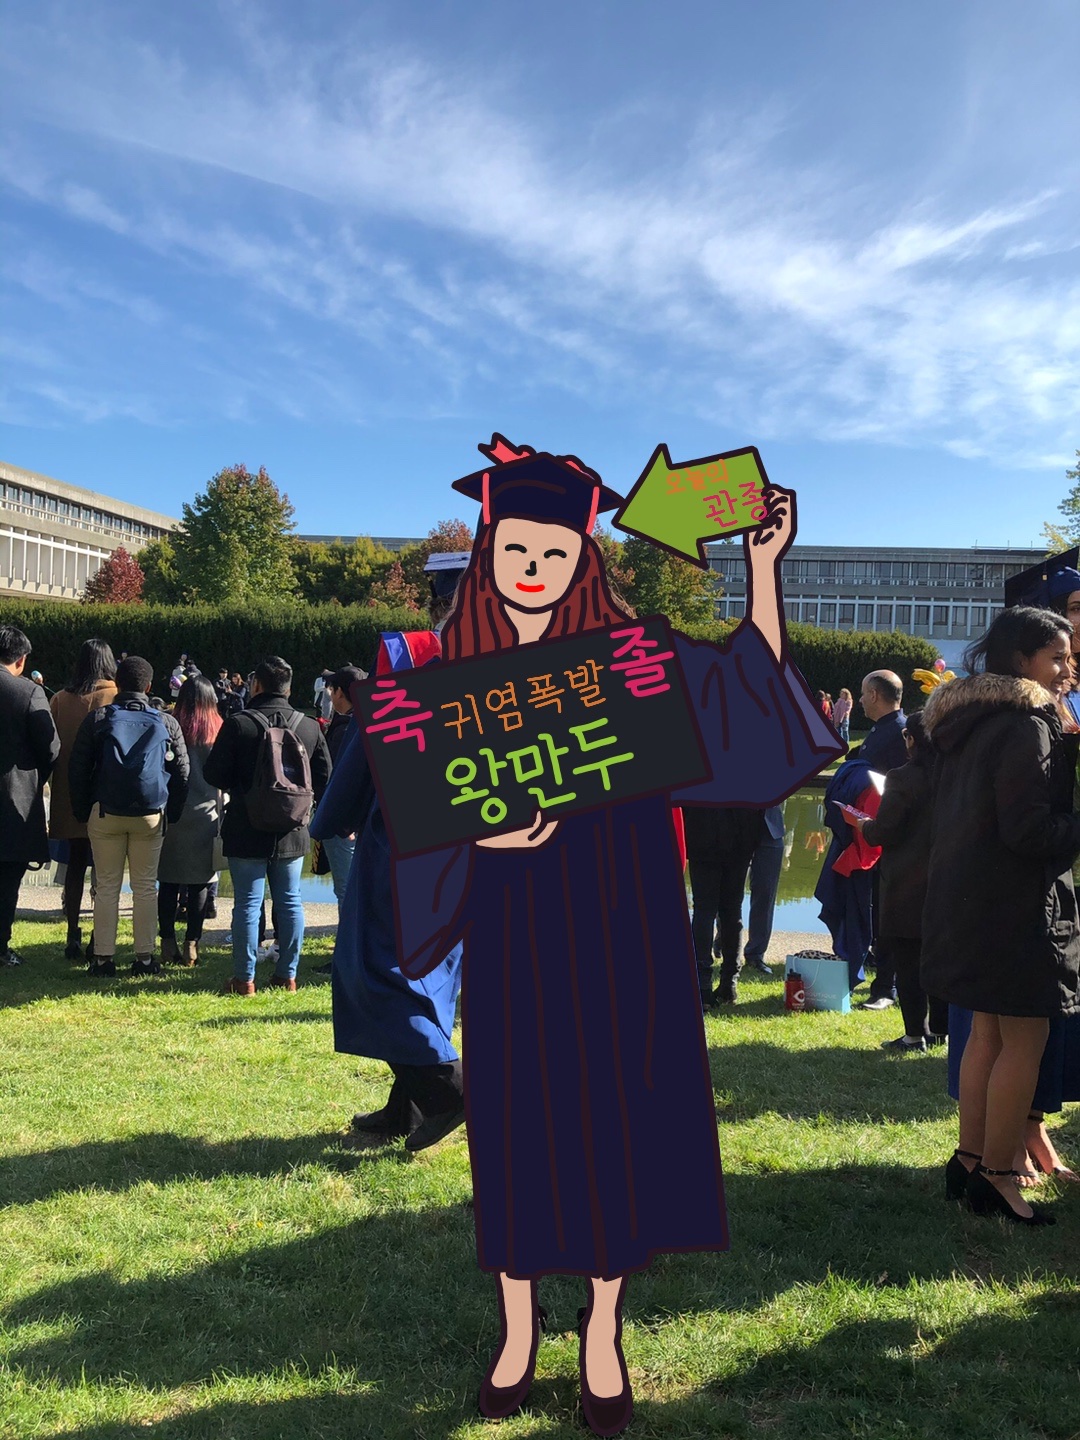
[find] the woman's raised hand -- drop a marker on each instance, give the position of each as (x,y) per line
(528,839)
(773,537)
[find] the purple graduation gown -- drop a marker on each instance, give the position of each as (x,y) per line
(591,1121)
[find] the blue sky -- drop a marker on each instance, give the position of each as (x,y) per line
(349,241)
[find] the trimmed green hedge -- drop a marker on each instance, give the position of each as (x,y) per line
(832,659)
(311,637)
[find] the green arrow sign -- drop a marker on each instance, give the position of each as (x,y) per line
(679,506)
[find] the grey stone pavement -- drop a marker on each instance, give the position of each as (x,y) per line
(43,901)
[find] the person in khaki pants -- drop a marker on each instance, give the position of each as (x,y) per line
(128,777)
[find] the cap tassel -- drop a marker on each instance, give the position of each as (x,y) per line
(485,497)
(593,506)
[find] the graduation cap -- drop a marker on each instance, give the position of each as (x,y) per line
(537,486)
(1050,580)
(444,569)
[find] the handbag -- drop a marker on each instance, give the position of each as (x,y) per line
(826,982)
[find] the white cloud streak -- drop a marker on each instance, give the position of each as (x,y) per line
(744,283)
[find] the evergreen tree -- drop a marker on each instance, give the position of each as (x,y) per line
(119,581)
(235,543)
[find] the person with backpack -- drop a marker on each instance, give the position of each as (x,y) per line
(273,762)
(128,778)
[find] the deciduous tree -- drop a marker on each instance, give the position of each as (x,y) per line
(664,585)
(235,542)
(119,581)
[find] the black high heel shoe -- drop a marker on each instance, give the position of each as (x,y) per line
(957,1173)
(499,1402)
(605,1415)
(987,1199)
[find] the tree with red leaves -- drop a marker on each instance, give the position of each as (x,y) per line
(118,582)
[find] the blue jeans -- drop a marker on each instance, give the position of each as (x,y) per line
(249,885)
(339,852)
(844,730)
(765,870)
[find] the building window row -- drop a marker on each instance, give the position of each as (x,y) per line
(83,517)
(962,574)
(835,613)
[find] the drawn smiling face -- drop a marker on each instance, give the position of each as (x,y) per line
(534,562)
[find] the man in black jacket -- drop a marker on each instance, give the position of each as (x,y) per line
(257,855)
(28,749)
(128,778)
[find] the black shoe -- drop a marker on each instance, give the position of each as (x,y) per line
(759,966)
(956,1174)
(987,1199)
(210,913)
(934,1042)
(607,1416)
(145,965)
(435,1128)
(903,1046)
(10,958)
(104,966)
(378,1122)
(727,992)
(322,969)
(73,949)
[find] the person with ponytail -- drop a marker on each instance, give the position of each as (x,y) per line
(589,1106)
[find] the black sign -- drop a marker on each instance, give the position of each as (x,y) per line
(474,748)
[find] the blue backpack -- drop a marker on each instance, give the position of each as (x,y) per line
(132,778)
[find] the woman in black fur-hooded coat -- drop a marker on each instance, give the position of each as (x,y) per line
(1000,933)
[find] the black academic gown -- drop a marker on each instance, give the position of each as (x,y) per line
(590,1111)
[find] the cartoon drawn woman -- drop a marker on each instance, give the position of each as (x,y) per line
(590,1114)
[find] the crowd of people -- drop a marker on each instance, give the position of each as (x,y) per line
(171,794)
(954,833)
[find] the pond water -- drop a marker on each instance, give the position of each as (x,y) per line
(805,841)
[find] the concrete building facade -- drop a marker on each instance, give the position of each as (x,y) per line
(947,596)
(54,536)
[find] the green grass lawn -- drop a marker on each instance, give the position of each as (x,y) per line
(186,1251)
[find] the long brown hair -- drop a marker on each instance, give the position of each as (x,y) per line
(480,625)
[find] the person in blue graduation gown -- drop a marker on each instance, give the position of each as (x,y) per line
(379,1012)
(590,1112)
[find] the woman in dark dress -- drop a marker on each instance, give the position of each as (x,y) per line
(590,1114)
(1000,934)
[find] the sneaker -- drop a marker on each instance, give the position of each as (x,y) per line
(282,982)
(902,1045)
(238,987)
(881,1003)
(102,966)
(145,965)
(10,958)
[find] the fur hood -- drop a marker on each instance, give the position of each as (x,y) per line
(953,710)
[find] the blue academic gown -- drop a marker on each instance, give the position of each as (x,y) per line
(589,1105)
(378,1011)
(846,899)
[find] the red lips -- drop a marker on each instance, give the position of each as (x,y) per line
(530,589)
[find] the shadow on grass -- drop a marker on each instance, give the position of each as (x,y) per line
(162,1158)
(289,1017)
(410,1366)
(46,975)
(839,1082)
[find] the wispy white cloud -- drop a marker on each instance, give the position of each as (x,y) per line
(430,217)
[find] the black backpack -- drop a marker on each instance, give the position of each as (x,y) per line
(131,777)
(281,795)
